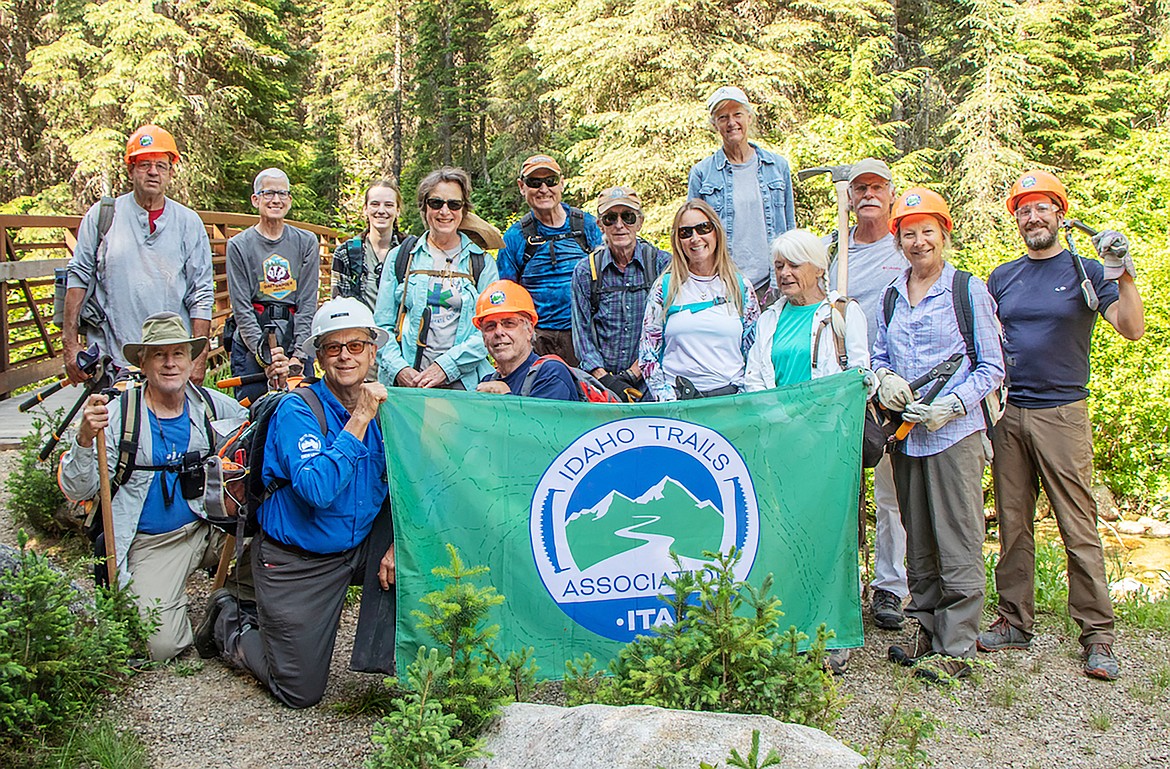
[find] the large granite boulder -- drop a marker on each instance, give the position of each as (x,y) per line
(527,736)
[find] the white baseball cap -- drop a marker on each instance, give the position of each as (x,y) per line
(340,315)
(726,93)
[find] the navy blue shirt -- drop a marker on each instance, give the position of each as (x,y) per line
(164,508)
(1047,327)
(553,380)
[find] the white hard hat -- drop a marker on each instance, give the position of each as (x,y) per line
(340,315)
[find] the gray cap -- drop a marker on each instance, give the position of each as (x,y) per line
(870,166)
(727,93)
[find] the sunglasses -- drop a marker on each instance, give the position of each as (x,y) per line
(534,182)
(333,349)
(610,219)
(510,323)
(437,203)
(702,228)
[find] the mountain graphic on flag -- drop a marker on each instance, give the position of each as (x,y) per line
(667,516)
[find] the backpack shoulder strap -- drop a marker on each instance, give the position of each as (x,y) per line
(105,218)
(530,377)
(130,404)
(402,261)
(208,417)
(477,262)
(594,284)
(355,258)
(528,232)
(889,302)
(964,315)
(309,396)
(577,227)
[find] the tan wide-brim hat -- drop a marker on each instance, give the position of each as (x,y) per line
(482,232)
(160,330)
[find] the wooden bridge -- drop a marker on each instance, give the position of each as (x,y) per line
(31,247)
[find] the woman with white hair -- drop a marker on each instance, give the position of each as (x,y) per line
(796,339)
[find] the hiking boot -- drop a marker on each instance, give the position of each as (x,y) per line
(920,646)
(205,642)
(838,661)
(1100,662)
(937,669)
(1002,635)
(887,610)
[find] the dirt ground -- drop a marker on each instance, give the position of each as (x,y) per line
(1025,709)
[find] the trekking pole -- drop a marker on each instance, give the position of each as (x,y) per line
(107,510)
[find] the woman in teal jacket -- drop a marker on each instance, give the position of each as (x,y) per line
(429,312)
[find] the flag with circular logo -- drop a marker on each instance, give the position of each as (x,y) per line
(580,509)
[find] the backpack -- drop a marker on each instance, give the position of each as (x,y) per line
(402,271)
(993,404)
(533,241)
(353,265)
(240,463)
(90,314)
(589,389)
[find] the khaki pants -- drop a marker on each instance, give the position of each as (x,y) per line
(941,500)
(550,341)
(1053,446)
(160,565)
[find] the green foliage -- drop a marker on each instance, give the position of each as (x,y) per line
(901,732)
(753,757)
(57,658)
(417,733)
(103,745)
(454,689)
(724,653)
(33,494)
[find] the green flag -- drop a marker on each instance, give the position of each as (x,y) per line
(576,507)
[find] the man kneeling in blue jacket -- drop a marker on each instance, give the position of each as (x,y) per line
(316,527)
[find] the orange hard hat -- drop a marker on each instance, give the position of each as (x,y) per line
(919,200)
(150,139)
(504,296)
(1037,182)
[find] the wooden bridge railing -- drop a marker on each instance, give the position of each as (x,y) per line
(31,247)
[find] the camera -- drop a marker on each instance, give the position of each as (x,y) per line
(192,479)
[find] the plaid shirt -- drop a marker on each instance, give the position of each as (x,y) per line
(919,338)
(609,339)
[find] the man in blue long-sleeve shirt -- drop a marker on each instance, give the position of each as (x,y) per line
(316,526)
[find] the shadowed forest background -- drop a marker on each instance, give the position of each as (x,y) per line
(959,96)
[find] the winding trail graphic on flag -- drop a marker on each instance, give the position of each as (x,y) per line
(576,507)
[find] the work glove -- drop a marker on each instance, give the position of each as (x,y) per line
(935,415)
(893,391)
(1113,248)
(871,382)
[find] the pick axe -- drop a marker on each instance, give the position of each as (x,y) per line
(840,177)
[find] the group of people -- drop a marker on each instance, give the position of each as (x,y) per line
(743,301)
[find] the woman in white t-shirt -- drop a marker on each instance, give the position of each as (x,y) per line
(701,316)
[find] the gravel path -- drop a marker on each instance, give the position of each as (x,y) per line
(1032,709)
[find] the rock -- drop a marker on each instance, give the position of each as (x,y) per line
(1107,508)
(1159,531)
(1131,528)
(643,737)
(1124,587)
(1148,522)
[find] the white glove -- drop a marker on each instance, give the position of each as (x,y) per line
(1113,248)
(893,391)
(935,415)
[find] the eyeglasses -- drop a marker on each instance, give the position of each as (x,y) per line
(702,228)
(270,194)
(333,349)
(534,182)
(436,204)
(162,166)
(610,219)
(511,323)
(1040,209)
